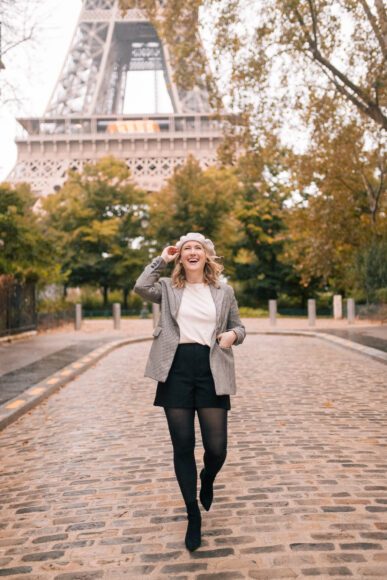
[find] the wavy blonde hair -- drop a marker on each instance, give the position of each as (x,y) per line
(211,273)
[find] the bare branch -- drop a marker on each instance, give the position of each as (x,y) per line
(375,27)
(363,102)
(314,21)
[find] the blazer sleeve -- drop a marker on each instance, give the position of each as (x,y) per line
(147,284)
(233,321)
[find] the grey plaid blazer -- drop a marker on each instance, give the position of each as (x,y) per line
(166,334)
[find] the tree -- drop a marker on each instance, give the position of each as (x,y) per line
(25,250)
(260,270)
(19,22)
(371,270)
(279,52)
(196,200)
(97,219)
(336,217)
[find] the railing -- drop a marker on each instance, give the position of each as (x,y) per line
(46,320)
(122,125)
(17,306)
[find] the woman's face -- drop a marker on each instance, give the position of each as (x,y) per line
(193,257)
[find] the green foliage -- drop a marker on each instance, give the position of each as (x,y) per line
(246,312)
(26,251)
(96,219)
(196,200)
(260,211)
(371,269)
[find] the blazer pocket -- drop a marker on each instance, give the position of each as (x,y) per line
(157,331)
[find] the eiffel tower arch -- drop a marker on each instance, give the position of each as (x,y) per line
(85,118)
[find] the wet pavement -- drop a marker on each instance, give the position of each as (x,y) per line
(15,382)
(367,336)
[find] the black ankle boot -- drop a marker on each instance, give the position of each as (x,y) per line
(206,491)
(193,535)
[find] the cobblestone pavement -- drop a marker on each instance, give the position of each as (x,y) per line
(88,489)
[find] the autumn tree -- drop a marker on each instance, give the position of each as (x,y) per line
(275,54)
(340,210)
(97,220)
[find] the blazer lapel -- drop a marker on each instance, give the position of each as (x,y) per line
(218,295)
(177,296)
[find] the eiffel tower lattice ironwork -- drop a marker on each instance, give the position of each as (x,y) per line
(85,117)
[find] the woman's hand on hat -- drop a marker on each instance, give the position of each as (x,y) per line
(169,253)
(226,339)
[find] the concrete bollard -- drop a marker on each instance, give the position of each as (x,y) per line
(312,312)
(117,315)
(78,316)
(273,312)
(144,310)
(155,313)
(337,307)
(351,310)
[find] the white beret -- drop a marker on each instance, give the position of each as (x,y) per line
(195,237)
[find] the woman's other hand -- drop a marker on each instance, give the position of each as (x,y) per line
(226,339)
(169,253)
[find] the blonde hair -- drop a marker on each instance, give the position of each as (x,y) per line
(211,273)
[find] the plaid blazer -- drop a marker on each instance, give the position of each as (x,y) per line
(166,335)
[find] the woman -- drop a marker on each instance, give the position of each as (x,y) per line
(192,360)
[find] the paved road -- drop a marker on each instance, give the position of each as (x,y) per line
(88,490)
(28,361)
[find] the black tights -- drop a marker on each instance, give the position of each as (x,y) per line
(213,426)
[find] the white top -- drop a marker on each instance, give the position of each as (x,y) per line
(197,314)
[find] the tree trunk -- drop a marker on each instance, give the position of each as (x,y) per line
(105,296)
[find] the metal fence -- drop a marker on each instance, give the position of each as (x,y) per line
(17,306)
(47,320)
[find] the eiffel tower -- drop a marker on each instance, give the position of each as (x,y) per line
(85,118)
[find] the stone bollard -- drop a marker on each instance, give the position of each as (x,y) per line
(273,312)
(117,316)
(144,310)
(78,316)
(337,307)
(312,312)
(155,313)
(351,310)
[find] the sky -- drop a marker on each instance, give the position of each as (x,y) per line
(34,69)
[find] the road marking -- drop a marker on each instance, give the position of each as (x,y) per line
(15,404)
(36,391)
(53,381)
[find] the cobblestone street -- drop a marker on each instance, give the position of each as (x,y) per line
(88,489)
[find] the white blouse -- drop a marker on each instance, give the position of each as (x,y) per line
(197,314)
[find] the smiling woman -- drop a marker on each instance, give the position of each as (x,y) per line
(191,358)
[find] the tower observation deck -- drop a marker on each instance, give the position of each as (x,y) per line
(87,116)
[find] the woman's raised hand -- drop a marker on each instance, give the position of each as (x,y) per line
(169,253)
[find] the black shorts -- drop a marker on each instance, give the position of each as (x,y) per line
(190,383)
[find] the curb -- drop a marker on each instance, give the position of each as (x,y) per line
(20,336)
(30,398)
(16,407)
(374,353)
